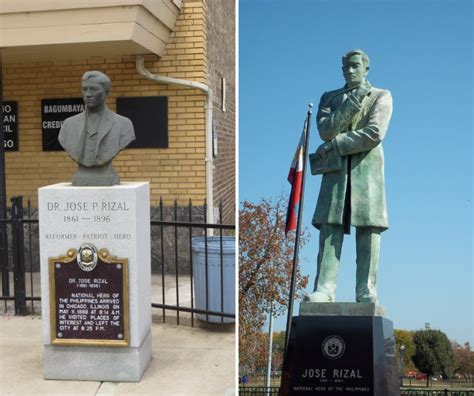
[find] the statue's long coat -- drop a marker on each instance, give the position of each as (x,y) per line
(357,130)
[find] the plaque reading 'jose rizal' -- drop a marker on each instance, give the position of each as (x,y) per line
(89,298)
(329,355)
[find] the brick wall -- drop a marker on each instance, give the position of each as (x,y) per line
(220,33)
(175,172)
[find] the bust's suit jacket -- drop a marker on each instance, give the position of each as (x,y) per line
(115,133)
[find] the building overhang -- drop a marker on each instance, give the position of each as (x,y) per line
(40,30)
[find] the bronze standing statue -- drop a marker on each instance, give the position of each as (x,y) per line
(352,122)
(94,137)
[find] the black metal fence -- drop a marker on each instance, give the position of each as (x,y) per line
(180,232)
(173,230)
(17,257)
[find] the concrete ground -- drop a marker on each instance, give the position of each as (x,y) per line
(186,361)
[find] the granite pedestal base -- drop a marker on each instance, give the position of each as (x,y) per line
(116,218)
(334,354)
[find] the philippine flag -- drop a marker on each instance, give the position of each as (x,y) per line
(295,177)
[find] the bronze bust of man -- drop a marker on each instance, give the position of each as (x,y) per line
(94,137)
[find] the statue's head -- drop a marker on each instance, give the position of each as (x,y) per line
(95,88)
(355,67)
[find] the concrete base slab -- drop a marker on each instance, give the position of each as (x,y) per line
(93,363)
(341,309)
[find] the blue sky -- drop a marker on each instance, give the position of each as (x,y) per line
(290,53)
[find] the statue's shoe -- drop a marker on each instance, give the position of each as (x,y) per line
(367,298)
(318,297)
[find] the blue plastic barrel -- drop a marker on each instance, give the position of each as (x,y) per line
(215,267)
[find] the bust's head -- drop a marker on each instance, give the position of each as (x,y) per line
(355,67)
(95,88)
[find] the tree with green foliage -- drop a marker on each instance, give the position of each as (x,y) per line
(405,338)
(433,354)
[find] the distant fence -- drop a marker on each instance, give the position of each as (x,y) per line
(432,392)
(273,391)
(172,231)
(258,390)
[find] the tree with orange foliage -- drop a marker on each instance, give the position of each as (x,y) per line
(464,360)
(265,264)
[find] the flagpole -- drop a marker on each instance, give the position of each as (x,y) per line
(297,237)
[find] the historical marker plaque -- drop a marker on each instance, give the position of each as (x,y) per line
(89,298)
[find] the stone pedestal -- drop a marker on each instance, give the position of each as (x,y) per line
(115,218)
(341,349)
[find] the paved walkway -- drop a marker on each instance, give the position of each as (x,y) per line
(186,361)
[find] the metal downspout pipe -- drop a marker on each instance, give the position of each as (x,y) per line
(140,65)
